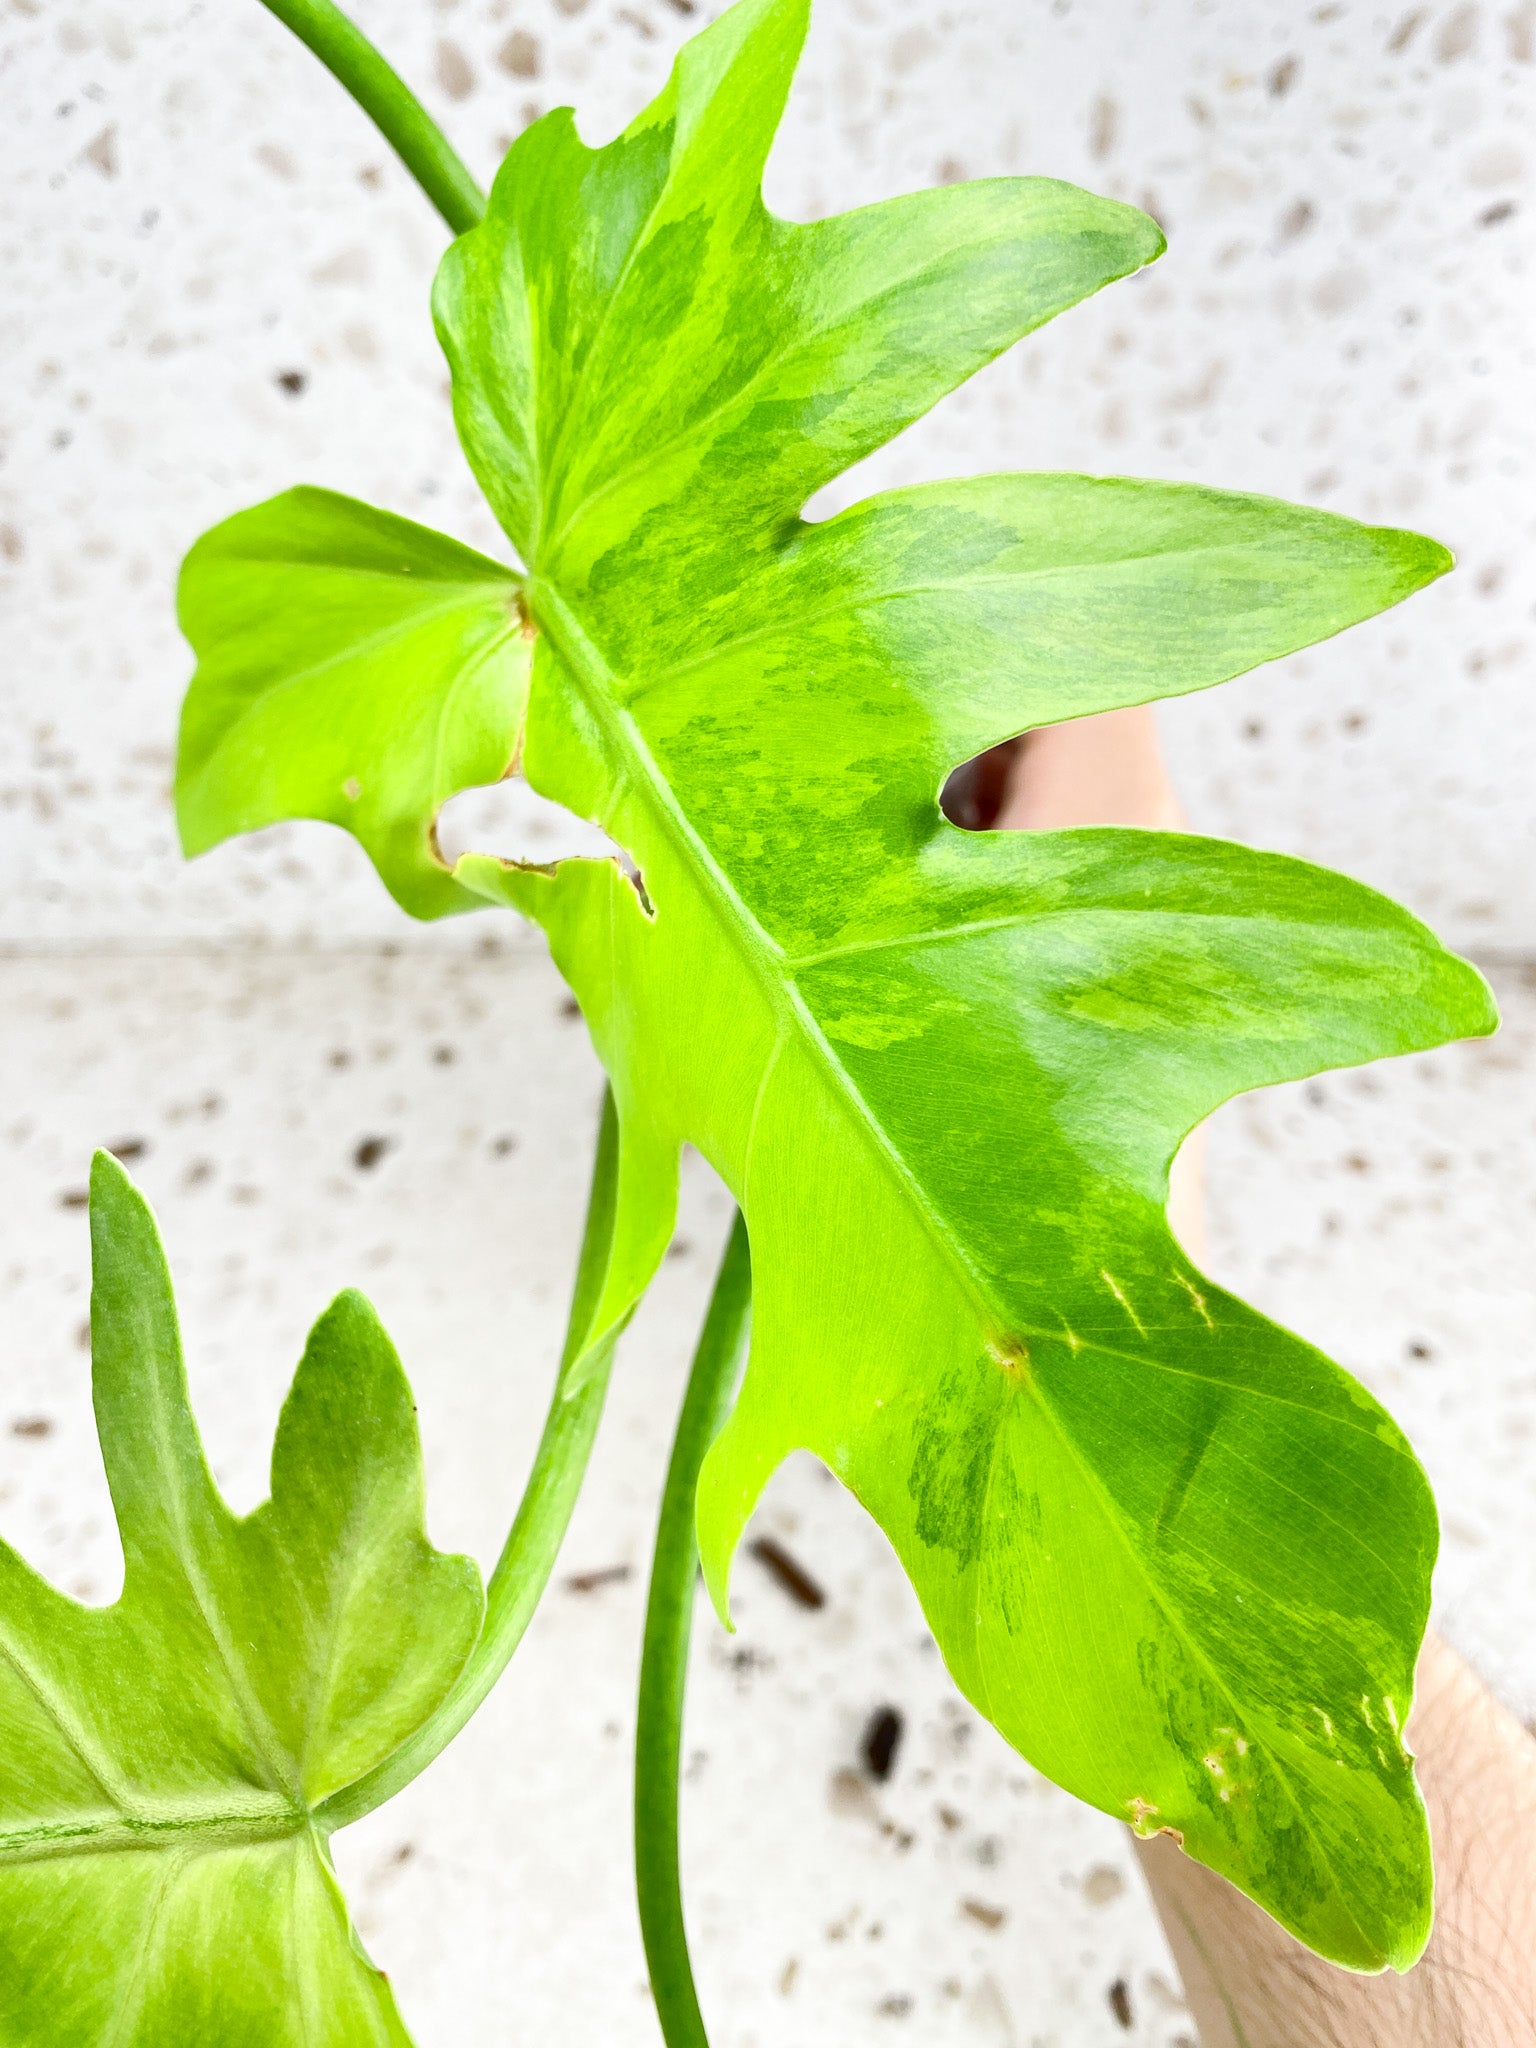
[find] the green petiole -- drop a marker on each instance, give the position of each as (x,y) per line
(533,1542)
(390,104)
(664,1659)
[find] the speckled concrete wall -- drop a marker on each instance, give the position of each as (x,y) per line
(214,285)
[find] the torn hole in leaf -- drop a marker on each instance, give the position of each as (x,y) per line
(1101,768)
(973,796)
(511,821)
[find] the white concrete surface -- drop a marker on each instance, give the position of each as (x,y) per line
(190,212)
(1385,1214)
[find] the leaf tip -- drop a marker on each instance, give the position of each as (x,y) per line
(108,1174)
(1424,560)
(1473,1007)
(716,1555)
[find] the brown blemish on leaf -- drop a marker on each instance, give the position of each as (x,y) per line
(1011,1356)
(636,881)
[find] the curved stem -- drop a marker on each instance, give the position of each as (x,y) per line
(664,1660)
(533,1542)
(390,104)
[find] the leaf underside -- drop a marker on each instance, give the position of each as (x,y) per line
(164,1876)
(1178,1557)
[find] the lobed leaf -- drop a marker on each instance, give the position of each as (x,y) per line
(1176,1555)
(164,1875)
(359,669)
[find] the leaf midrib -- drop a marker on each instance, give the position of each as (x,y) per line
(343,1589)
(593,678)
(192,1827)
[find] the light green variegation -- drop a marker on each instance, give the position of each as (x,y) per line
(164,1875)
(1178,1557)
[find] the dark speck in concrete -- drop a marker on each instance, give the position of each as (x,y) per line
(882,1739)
(990,1917)
(1297,219)
(1406,30)
(519,54)
(368,1153)
(1457,34)
(788,1571)
(591,1582)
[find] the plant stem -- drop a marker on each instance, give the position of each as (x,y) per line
(664,1659)
(390,104)
(533,1542)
